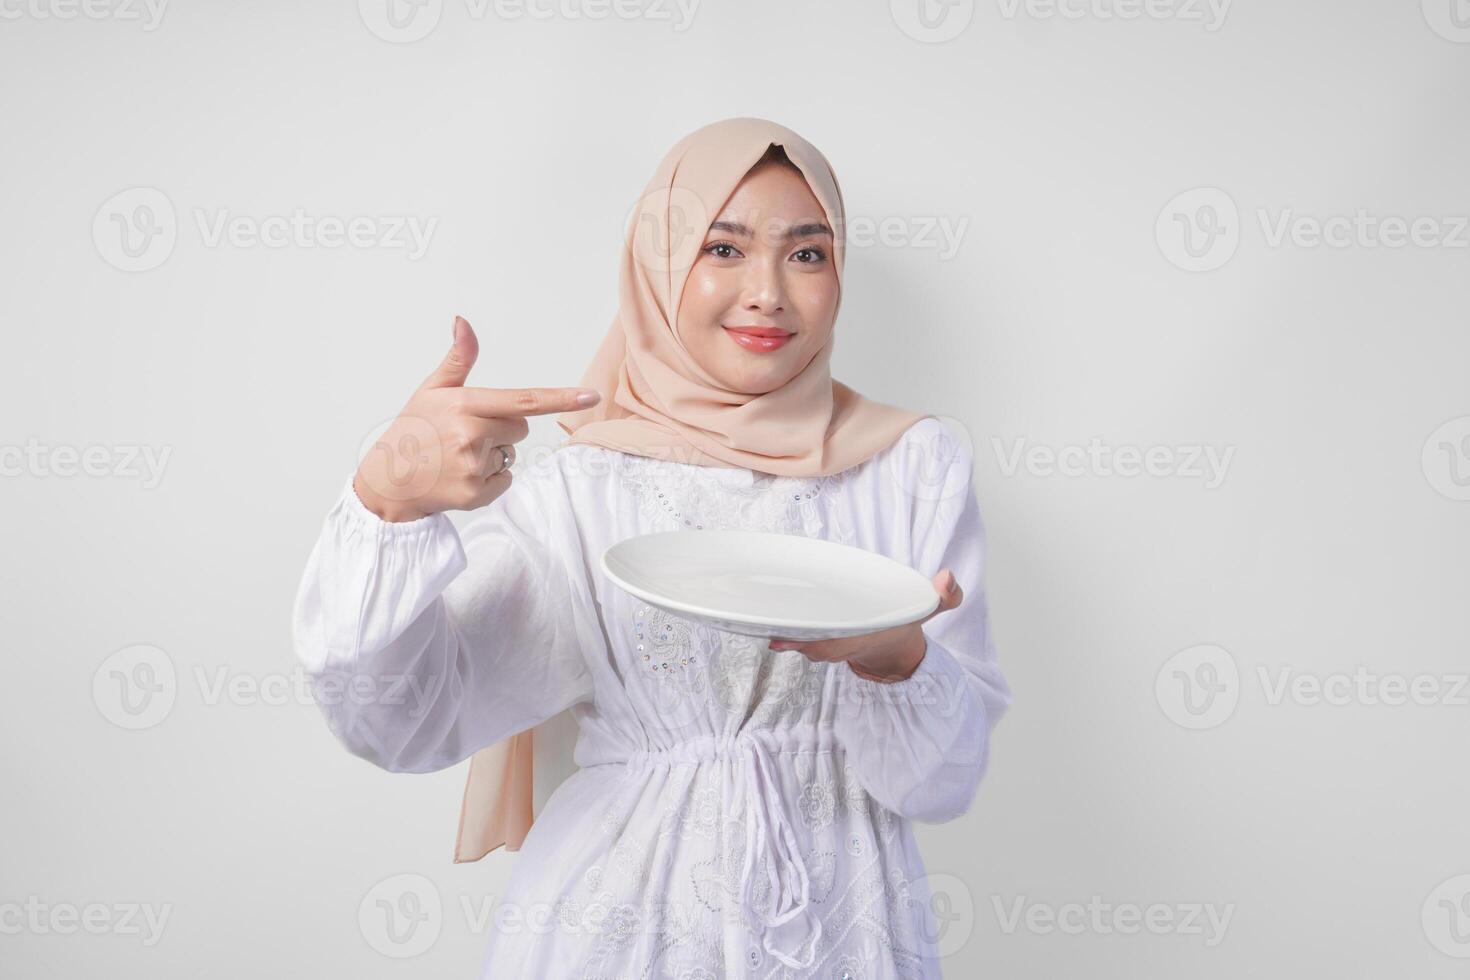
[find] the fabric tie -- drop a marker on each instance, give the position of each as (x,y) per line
(768,834)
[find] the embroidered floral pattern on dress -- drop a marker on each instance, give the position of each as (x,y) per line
(697,816)
(685,929)
(856,797)
(817,805)
(694,925)
(787,684)
(732,676)
(684,496)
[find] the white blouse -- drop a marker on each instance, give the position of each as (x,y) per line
(737,811)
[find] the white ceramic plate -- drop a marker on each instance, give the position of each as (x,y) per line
(770,585)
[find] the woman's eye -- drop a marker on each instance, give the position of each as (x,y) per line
(816,253)
(720,250)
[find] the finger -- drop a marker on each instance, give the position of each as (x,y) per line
(491,458)
(813,649)
(507,402)
(486,491)
(478,442)
(950,593)
(455,367)
(500,429)
(950,588)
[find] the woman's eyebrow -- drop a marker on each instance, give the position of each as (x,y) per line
(796,231)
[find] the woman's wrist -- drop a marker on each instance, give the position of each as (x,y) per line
(892,666)
(392,511)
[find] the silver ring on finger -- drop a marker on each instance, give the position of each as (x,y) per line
(507,456)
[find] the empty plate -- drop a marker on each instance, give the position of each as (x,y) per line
(770,585)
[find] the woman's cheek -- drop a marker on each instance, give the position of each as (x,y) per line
(699,309)
(816,298)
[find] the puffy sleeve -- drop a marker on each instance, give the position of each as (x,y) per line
(424,645)
(920,746)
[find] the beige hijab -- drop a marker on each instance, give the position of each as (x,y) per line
(664,405)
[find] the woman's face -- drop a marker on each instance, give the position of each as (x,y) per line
(765,266)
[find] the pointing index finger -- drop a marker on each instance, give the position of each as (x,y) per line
(505,402)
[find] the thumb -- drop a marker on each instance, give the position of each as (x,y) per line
(950,593)
(455,368)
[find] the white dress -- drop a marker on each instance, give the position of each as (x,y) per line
(738,812)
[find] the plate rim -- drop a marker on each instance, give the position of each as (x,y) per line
(664,602)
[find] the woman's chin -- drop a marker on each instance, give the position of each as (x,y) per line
(755,379)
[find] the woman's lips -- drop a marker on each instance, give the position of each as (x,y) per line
(762,340)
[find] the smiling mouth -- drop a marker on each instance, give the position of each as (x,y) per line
(760,340)
(760,331)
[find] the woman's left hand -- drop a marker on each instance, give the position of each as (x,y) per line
(888,655)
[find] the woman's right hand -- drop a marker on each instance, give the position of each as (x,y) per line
(441,452)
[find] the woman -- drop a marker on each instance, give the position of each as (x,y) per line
(742,808)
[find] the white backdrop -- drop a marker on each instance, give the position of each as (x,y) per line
(1192,276)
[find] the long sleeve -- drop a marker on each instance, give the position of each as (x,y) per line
(920,746)
(424,645)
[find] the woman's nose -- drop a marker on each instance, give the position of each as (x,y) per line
(763,291)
